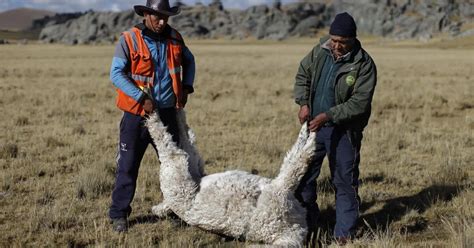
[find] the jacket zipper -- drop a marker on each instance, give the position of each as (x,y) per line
(325,85)
(158,95)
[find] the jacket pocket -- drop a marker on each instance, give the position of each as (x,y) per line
(141,64)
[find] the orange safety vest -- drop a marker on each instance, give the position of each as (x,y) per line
(142,70)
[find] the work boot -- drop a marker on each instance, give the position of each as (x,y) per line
(120,225)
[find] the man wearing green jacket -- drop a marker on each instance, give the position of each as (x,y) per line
(334,88)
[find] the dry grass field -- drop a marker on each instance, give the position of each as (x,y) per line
(60,129)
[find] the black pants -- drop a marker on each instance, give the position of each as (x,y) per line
(134,139)
(344,158)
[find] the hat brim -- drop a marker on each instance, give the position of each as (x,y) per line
(140,9)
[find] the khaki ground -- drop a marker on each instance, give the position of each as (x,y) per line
(60,131)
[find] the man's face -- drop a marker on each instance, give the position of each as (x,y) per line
(340,46)
(156,22)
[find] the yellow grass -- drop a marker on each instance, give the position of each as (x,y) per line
(60,131)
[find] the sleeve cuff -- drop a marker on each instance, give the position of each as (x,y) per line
(189,88)
(330,116)
(302,102)
(141,97)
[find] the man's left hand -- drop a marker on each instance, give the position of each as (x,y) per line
(318,122)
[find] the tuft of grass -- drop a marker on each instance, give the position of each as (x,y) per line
(7,181)
(379,238)
(452,172)
(22,121)
(79,130)
(94,181)
(412,222)
(45,197)
(461,230)
(9,151)
(52,142)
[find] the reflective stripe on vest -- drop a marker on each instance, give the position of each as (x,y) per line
(144,79)
(142,71)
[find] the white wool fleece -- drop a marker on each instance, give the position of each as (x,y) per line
(233,203)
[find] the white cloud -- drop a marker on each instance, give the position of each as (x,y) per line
(115,7)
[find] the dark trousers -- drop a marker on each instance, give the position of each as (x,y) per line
(134,139)
(344,157)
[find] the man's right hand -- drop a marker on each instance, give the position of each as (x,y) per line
(148,105)
(303,115)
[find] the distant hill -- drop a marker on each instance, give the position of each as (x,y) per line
(21,18)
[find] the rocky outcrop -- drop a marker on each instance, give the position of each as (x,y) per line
(56,19)
(398,19)
(404,19)
(91,27)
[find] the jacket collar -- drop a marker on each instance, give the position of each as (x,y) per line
(356,53)
(155,36)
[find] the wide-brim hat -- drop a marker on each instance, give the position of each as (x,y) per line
(157,7)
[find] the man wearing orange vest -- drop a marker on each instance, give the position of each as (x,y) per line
(153,70)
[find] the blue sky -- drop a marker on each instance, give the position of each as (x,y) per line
(113,5)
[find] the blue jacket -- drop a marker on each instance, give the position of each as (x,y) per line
(162,91)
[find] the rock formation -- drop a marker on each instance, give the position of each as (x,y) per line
(398,19)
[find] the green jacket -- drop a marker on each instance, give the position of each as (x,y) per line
(354,86)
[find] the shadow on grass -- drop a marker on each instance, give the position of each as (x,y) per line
(395,209)
(151,219)
(392,211)
(374,178)
(144,219)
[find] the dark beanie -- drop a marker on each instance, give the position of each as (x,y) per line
(343,25)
